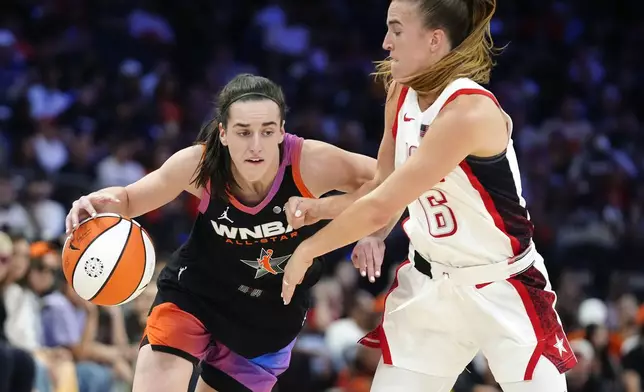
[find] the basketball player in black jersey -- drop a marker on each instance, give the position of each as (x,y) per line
(219,298)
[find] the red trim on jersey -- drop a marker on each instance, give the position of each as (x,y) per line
(536,325)
(490,207)
(378,337)
(401,100)
(485,196)
(470,91)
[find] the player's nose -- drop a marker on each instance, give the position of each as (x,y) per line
(256,144)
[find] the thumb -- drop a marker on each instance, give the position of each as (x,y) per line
(303,207)
(293,205)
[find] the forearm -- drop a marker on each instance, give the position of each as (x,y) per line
(384,232)
(330,207)
(359,220)
(121,208)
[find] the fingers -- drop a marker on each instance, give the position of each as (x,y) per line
(377,256)
(73,214)
(368,256)
(85,204)
(294,214)
(371,272)
(359,259)
(68,223)
(288,289)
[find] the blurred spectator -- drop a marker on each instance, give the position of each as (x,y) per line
(119,169)
(17,372)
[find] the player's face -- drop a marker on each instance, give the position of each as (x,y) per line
(253,134)
(412,46)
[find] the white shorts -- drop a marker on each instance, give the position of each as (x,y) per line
(436,327)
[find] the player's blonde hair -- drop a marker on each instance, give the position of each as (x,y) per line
(467,24)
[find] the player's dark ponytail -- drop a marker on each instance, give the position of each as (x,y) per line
(215,168)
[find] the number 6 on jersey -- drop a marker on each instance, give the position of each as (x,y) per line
(440,218)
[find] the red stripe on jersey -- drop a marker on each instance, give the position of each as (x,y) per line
(401,100)
(490,207)
(471,91)
(485,196)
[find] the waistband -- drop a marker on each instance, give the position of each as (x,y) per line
(472,276)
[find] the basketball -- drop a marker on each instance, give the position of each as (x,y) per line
(109,260)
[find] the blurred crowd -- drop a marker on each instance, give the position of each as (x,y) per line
(99,93)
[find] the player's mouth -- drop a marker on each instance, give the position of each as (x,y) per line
(255,161)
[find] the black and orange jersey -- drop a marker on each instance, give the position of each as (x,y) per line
(230,269)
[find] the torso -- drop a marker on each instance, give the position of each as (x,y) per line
(476,214)
(233,264)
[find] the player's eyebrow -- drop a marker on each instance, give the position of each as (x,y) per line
(264,124)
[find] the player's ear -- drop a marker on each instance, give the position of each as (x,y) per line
(222,134)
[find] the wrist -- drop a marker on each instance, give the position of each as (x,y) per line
(307,250)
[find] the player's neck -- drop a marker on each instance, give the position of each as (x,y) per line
(426,100)
(251,192)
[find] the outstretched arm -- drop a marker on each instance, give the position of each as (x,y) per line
(149,193)
(468,125)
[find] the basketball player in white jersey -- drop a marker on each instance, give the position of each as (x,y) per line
(474,280)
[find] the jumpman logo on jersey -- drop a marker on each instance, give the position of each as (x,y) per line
(267,264)
(224,215)
(181,269)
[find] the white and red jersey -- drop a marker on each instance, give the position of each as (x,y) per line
(476,214)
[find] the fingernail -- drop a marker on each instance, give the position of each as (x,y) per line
(377,274)
(93,215)
(363,273)
(298,213)
(372,279)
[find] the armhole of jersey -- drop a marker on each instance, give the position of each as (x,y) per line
(470,91)
(401,100)
(296,154)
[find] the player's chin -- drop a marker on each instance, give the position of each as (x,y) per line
(398,72)
(254,172)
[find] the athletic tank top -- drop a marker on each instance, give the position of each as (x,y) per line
(231,267)
(476,214)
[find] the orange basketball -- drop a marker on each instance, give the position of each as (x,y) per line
(109,260)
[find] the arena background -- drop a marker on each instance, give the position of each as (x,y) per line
(98,93)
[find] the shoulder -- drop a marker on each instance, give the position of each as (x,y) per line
(324,167)
(473,109)
(478,118)
(315,155)
(192,153)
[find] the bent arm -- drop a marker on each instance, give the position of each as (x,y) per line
(326,168)
(466,126)
(330,207)
(158,188)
